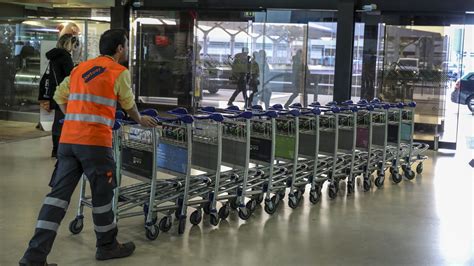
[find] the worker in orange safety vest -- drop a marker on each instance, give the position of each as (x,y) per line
(88,98)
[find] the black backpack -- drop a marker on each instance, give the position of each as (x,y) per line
(48,83)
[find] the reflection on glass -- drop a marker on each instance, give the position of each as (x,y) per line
(272,59)
(420,64)
(321,61)
(23,45)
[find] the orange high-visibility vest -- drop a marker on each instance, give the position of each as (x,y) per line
(90,113)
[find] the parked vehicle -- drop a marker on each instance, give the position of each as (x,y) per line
(464,91)
(408,64)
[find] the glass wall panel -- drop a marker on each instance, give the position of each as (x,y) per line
(421,64)
(23,45)
(162,58)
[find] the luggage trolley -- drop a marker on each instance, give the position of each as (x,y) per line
(318,165)
(125,207)
(233,188)
(344,157)
(400,119)
(371,126)
(263,145)
(287,150)
(410,152)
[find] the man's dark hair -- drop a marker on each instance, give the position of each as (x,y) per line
(110,40)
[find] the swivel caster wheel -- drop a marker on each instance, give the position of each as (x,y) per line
(367,184)
(379,181)
(76,225)
(259,198)
(350,187)
(419,168)
(244,214)
(207,208)
(251,205)
(233,203)
(409,174)
(182,225)
(152,232)
(224,212)
(165,224)
(293,201)
(270,206)
(315,196)
(214,220)
(196,217)
(396,178)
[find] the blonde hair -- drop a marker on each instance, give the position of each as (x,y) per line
(67,42)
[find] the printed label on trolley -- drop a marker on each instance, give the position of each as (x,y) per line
(260,149)
(172,158)
(137,162)
(285,147)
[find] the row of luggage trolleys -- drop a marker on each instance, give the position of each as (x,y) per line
(220,160)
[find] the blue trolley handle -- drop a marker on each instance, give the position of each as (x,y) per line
(214,116)
(232,112)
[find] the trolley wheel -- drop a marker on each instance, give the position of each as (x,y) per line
(350,187)
(207,208)
(224,212)
(379,181)
(282,194)
(181,225)
(419,168)
(293,201)
(76,225)
(270,205)
(315,196)
(392,170)
(367,184)
(196,217)
(165,224)
(233,203)
(214,220)
(405,167)
(379,172)
(409,174)
(244,214)
(332,191)
(152,232)
(259,198)
(251,205)
(396,178)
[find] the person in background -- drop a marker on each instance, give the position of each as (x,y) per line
(240,71)
(298,76)
(88,98)
(60,66)
(254,78)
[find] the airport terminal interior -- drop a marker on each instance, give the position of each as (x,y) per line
(322,132)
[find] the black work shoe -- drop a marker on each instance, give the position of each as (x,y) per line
(117,251)
(25,262)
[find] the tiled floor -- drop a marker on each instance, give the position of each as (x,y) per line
(427,221)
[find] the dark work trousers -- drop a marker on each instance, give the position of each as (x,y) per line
(97,163)
(241,87)
(57,127)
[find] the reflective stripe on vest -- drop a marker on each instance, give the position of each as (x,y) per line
(92,98)
(90,118)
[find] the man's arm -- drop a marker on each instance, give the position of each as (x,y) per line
(61,94)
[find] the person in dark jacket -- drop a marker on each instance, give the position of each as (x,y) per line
(61,65)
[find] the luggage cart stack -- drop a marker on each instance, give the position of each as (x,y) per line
(126,199)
